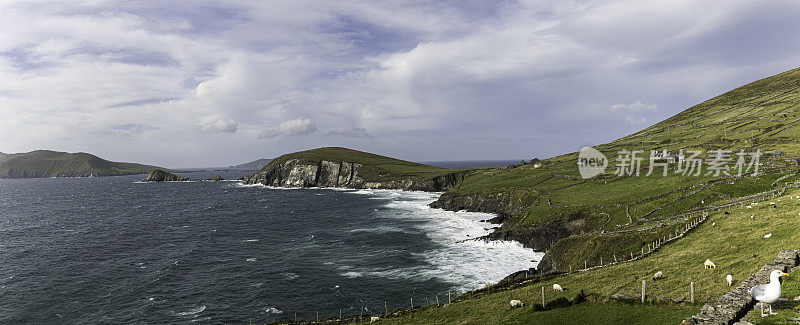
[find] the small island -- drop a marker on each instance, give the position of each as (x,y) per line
(159,175)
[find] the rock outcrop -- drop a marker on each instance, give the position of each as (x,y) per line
(216,178)
(342,174)
(504,205)
(159,175)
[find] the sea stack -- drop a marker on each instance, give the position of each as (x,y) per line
(159,175)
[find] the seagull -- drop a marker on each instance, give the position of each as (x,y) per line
(770,292)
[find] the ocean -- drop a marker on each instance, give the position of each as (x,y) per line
(117,250)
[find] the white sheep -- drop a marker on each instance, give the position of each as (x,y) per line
(713,224)
(374,319)
(768,235)
(516,303)
(729,278)
(709,264)
(749,207)
(557,287)
(658,275)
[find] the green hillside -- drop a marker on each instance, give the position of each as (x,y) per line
(731,238)
(45,163)
(611,215)
(253,165)
(376,168)
(757,116)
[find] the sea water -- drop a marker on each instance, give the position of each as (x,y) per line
(116,250)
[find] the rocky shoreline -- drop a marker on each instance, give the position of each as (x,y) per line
(343,174)
(294,173)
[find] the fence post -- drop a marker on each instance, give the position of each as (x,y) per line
(437,300)
(340,314)
(317,317)
(543,297)
(412,302)
(386,307)
(295,317)
(615,258)
(643,289)
(691,291)
(585,265)
(448,297)
(601,261)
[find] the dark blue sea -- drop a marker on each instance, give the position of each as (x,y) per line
(116,250)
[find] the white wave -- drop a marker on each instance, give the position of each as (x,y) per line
(290,276)
(250,240)
(353,274)
(273,310)
(458,259)
(192,312)
(252,259)
(380,230)
(201,319)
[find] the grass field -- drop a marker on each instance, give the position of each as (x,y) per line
(735,242)
(376,168)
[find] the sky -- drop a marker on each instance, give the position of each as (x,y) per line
(201,84)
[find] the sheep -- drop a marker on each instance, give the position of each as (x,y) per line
(516,303)
(709,264)
(749,206)
(768,235)
(557,287)
(729,278)
(658,275)
(374,319)
(752,217)
(713,224)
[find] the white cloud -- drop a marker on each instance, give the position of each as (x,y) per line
(351,133)
(221,125)
(131,130)
(485,79)
(637,106)
(289,128)
(633,120)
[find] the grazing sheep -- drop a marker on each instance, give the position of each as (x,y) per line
(729,278)
(374,319)
(516,303)
(749,207)
(658,275)
(768,235)
(557,287)
(709,264)
(752,217)
(713,224)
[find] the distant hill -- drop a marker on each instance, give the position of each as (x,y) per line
(347,168)
(253,165)
(46,163)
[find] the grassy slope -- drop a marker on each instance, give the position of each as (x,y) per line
(760,115)
(735,243)
(375,167)
(45,163)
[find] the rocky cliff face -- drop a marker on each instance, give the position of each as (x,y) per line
(343,174)
(159,175)
(502,204)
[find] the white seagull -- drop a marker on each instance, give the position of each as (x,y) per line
(770,292)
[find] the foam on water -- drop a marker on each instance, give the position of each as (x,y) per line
(192,312)
(460,259)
